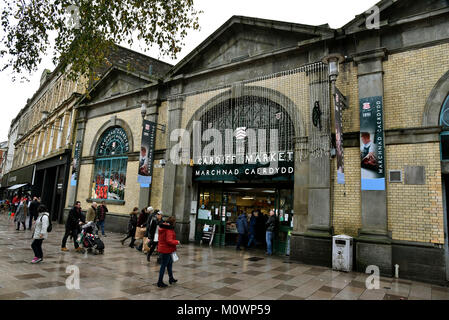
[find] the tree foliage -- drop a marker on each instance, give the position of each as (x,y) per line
(84,31)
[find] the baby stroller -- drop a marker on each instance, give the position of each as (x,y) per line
(89,240)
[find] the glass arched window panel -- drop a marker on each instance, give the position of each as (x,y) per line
(444,137)
(109,179)
(113,142)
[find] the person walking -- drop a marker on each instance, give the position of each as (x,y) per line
(91,213)
(132,224)
(270,224)
(33,208)
(242,228)
(21,214)
(40,233)
(153,231)
(252,229)
(141,223)
(72,227)
(101,216)
(166,246)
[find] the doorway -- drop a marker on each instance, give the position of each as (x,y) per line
(220,204)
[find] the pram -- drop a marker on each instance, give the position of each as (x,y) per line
(89,240)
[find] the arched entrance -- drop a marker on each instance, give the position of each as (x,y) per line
(245,163)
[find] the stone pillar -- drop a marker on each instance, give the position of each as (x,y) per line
(151,115)
(374,241)
(177,183)
(80,130)
(311,240)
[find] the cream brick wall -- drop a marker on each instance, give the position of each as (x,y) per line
(408,80)
(131,117)
(157,185)
(86,188)
(415,212)
(347,83)
(346,217)
(161,138)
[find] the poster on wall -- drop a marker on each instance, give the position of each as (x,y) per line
(372,144)
(146,158)
(75,164)
(339,137)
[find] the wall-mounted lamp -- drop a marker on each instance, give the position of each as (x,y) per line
(143,109)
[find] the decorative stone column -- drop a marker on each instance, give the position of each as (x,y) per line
(374,241)
(177,185)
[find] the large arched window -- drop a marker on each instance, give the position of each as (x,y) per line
(444,122)
(109,180)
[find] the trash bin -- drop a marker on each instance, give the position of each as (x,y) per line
(342,253)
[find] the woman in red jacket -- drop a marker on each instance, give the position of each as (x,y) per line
(166,246)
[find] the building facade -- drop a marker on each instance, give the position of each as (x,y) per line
(247,121)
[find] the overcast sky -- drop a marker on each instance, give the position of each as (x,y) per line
(334,12)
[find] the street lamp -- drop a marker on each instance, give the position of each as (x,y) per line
(333,60)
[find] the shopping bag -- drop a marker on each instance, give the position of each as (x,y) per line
(145,247)
(140,233)
(174,257)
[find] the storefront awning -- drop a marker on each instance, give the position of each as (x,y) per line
(17,186)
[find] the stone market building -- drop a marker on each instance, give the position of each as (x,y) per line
(260,77)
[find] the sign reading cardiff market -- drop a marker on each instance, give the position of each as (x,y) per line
(372,144)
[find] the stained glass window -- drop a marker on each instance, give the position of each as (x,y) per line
(110,165)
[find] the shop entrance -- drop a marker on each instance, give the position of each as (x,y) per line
(220,204)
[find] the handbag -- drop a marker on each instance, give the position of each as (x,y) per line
(140,233)
(174,257)
(145,247)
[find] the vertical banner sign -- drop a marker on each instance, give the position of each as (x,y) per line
(147,153)
(75,164)
(339,138)
(372,144)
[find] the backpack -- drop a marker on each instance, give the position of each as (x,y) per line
(50,226)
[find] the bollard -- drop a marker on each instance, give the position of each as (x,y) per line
(396,271)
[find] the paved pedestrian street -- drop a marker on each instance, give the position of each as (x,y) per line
(203,273)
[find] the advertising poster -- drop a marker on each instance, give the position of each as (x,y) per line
(339,138)
(146,153)
(75,164)
(372,144)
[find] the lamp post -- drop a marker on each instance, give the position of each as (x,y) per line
(333,61)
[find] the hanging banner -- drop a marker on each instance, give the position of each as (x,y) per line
(147,153)
(339,137)
(75,164)
(372,144)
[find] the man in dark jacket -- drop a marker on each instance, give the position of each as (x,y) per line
(72,226)
(252,228)
(33,211)
(153,231)
(101,216)
(242,228)
(270,224)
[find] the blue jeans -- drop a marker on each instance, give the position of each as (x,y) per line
(166,262)
(101,225)
(251,239)
(269,238)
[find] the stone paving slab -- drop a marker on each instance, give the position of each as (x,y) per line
(203,273)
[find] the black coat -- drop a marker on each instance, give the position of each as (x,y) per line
(132,224)
(74,218)
(271,223)
(34,205)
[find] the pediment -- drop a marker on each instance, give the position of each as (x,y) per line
(116,83)
(392,11)
(241,38)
